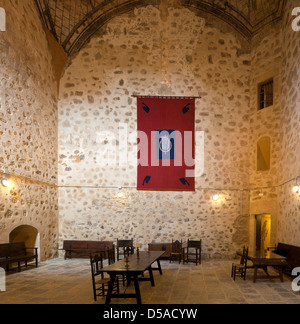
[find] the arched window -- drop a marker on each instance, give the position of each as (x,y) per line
(264,154)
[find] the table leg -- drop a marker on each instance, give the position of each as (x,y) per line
(110,289)
(128,279)
(280,273)
(159,267)
(151,276)
(137,290)
(265,268)
(255,274)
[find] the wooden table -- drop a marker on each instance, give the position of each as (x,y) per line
(263,260)
(137,265)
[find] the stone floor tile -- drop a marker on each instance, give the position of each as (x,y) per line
(62,281)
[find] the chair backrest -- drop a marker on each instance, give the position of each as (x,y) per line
(244,257)
(194,244)
(176,246)
(125,247)
(4,250)
(100,245)
(111,256)
(67,245)
(124,243)
(17,249)
(96,264)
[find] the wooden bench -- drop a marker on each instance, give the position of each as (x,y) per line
(85,248)
(292,255)
(167,247)
(15,253)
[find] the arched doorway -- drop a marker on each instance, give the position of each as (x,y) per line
(27,234)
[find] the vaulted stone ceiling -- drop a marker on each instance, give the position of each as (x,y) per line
(73,22)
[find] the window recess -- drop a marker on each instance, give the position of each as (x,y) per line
(265,94)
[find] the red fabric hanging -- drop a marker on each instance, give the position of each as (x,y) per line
(166,143)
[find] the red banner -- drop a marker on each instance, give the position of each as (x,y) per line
(166,144)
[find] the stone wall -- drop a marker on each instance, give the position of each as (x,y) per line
(276,55)
(28,127)
(67,167)
(289,202)
(266,65)
(155,52)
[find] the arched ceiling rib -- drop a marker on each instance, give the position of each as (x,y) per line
(73,22)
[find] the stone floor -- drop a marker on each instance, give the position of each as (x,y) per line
(69,282)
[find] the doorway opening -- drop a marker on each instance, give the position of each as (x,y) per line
(263,232)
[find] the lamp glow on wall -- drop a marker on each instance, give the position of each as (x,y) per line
(120,194)
(296,188)
(216,197)
(4,181)
(261,194)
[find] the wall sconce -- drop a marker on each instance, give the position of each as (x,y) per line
(296,188)
(216,197)
(120,194)
(261,194)
(5,183)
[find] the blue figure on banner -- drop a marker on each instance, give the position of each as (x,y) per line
(146,180)
(146,108)
(186,109)
(184,181)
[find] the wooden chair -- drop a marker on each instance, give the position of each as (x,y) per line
(100,283)
(240,268)
(176,253)
(124,248)
(111,255)
(192,252)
